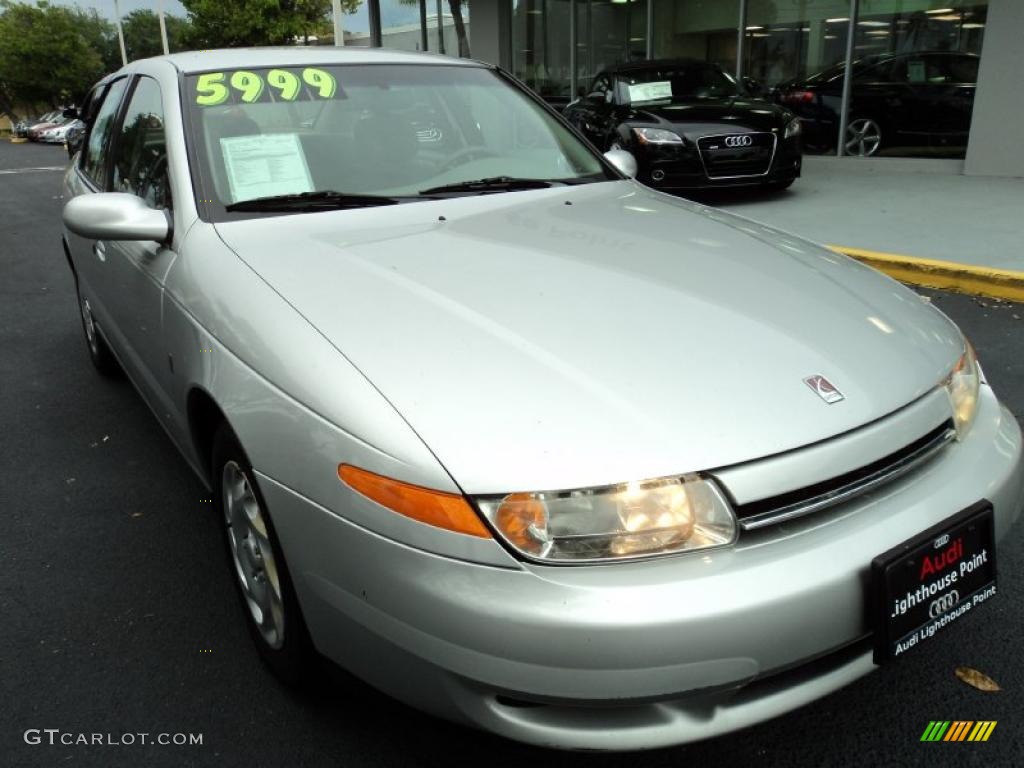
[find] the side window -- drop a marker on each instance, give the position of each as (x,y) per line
(140,148)
(880,73)
(963,69)
(94,158)
(603,86)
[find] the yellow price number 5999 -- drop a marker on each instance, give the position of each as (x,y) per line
(212,87)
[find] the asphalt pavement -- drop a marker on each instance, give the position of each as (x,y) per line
(118,615)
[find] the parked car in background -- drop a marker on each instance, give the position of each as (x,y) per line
(21,128)
(35,132)
(903,100)
(74,138)
(59,133)
(510,436)
(690,125)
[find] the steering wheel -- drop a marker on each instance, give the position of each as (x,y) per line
(464,156)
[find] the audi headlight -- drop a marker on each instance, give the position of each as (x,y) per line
(793,128)
(962,386)
(637,519)
(657,136)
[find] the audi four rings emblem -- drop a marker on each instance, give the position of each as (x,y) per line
(943,603)
(738,141)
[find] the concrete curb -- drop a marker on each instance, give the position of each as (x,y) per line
(947,275)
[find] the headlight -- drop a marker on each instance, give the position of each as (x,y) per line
(638,519)
(962,386)
(657,136)
(793,128)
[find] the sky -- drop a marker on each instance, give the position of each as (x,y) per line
(391,12)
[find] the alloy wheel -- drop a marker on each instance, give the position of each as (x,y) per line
(90,328)
(252,554)
(863,137)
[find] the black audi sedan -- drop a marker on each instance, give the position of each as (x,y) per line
(690,125)
(897,100)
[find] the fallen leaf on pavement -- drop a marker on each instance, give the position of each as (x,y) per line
(977,679)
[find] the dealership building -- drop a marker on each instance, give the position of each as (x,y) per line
(557,47)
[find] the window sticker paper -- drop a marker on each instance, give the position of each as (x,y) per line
(265,164)
(661,89)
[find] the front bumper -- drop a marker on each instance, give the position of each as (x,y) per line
(630,655)
(672,168)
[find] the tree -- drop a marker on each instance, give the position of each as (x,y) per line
(141,30)
(44,57)
(460,24)
(230,23)
(100,34)
(460,27)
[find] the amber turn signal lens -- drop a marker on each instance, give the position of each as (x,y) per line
(443,510)
(524,521)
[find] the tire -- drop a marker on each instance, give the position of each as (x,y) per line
(102,358)
(864,137)
(258,567)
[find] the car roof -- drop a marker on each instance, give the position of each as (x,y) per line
(297,55)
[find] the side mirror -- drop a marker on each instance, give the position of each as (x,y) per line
(71,112)
(115,216)
(623,161)
(754,87)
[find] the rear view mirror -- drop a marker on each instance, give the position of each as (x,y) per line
(116,216)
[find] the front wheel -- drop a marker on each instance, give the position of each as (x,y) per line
(268,598)
(99,353)
(863,137)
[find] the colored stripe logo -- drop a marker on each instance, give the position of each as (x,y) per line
(958,730)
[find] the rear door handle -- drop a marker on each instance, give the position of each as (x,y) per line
(100,250)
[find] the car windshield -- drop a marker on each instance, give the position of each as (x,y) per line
(393,131)
(679,82)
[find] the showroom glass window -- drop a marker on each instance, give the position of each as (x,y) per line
(544,54)
(923,108)
(95,154)
(140,147)
(697,29)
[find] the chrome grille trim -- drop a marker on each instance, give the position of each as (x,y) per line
(849,491)
(765,172)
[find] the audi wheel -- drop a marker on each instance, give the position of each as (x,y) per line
(863,137)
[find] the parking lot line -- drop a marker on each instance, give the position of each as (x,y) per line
(4,171)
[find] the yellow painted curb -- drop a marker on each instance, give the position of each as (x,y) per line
(18,140)
(948,275)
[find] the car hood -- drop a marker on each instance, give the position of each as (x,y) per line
(536,344)
(702,117)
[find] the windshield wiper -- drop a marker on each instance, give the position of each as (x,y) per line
(314,201)
(490,184)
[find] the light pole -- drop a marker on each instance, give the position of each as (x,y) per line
(163,28)
(120,32)
(339,33)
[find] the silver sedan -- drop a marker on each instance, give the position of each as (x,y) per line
(505,433)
